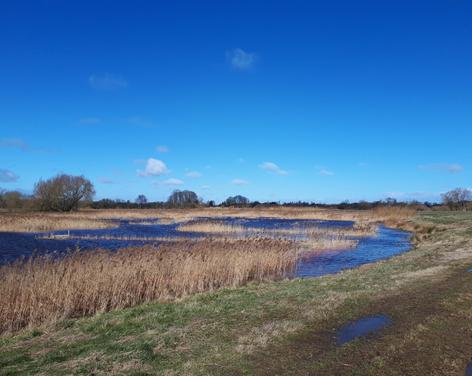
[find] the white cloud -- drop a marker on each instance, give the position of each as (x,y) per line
(90,121)
(452,168)
(162,149)
(193,174)
(173,181)
(272,167)
(241,59)
(154,167)
(7,176)
(239,182)
(325,172)
(107,82)
(105,180)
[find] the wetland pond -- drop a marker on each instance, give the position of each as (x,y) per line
(384,244)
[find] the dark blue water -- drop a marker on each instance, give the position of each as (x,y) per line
(386,243)
(361,328)
(468,370)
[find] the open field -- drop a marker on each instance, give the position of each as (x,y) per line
(285,327)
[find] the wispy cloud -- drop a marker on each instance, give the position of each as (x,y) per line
(154,167)
(205,187)
(107,82)
(413,195)
(452,168)
(19,144)
(14,143)
(90,121)
(193,174)
(272,167)
(239,182)
(105,180)
(240,59)
(7,176)
(173,181)
(325,172)
(138,121)
(162,149)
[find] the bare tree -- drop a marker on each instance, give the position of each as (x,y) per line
(63,192)
(141,200)
(236,201)
(457,198)
(11,200)
(183,199)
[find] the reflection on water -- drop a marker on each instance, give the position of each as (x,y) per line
(361,328)
(386,243)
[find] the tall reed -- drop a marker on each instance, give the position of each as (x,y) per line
(44,290)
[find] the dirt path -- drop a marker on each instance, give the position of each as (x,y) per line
(431,334)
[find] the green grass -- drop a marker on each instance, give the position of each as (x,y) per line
(284,327)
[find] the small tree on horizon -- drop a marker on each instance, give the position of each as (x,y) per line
(182,199)
(141,200)
(237,200)
(457,198)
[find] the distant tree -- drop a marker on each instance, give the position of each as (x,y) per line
(141,200)
(183,199)
(63,192)
(457,198)
(389,201)
(236,201)
(13,200)
(211,203)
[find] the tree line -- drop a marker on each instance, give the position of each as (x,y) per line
(64,193)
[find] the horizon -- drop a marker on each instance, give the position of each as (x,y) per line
(284,102)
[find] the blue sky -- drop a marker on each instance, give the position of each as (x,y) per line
(275,100)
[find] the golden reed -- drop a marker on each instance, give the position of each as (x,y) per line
(44,290)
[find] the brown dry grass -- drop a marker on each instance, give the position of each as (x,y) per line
(84,283)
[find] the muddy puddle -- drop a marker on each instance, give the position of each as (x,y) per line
(361,328)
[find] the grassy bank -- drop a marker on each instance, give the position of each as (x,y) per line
(284,327)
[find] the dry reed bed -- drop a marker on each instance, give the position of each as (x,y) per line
(38,222)
(44,290)
(315,237)
(210,226)
(87,219)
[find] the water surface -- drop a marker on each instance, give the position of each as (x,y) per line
(361,328)
(468,370)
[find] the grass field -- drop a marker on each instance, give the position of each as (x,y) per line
(285,327)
